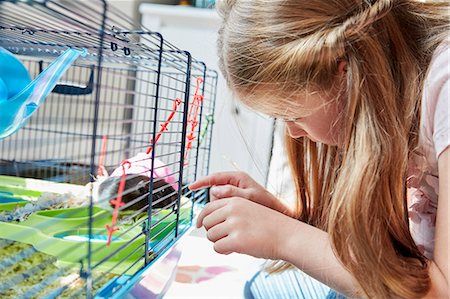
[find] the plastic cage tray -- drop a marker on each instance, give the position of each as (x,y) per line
(67,229)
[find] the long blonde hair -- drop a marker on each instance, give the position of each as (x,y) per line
(357,192)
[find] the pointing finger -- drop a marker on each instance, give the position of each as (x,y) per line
(225,191)
(234,178)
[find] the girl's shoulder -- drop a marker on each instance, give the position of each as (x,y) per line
(436,99)
(439,68)
(434,138)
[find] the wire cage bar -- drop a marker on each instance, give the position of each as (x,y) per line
(203,3)
(93,188)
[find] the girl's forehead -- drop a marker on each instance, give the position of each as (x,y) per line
(285,106)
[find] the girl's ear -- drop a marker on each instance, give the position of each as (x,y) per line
(342,67)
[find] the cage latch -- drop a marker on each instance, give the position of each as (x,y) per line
(72,88)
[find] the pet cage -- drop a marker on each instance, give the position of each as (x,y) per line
(130,119)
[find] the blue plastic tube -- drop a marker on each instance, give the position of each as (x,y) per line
(20,98)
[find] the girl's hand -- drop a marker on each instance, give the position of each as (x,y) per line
(236,224)
(240,184)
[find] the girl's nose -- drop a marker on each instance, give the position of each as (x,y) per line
(294,130)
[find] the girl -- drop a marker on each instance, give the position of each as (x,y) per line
(363,86)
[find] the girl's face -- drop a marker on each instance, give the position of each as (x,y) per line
(316,115)
(313,115)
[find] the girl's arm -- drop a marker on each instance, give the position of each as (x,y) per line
(267,233)
(244,217)
(236,224)
(309,249)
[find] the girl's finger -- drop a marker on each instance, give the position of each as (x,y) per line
(223,246)
(225,191)
(208,209)
(234,178)
(217,232)
(214,218)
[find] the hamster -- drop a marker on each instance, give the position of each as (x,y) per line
(136,192)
